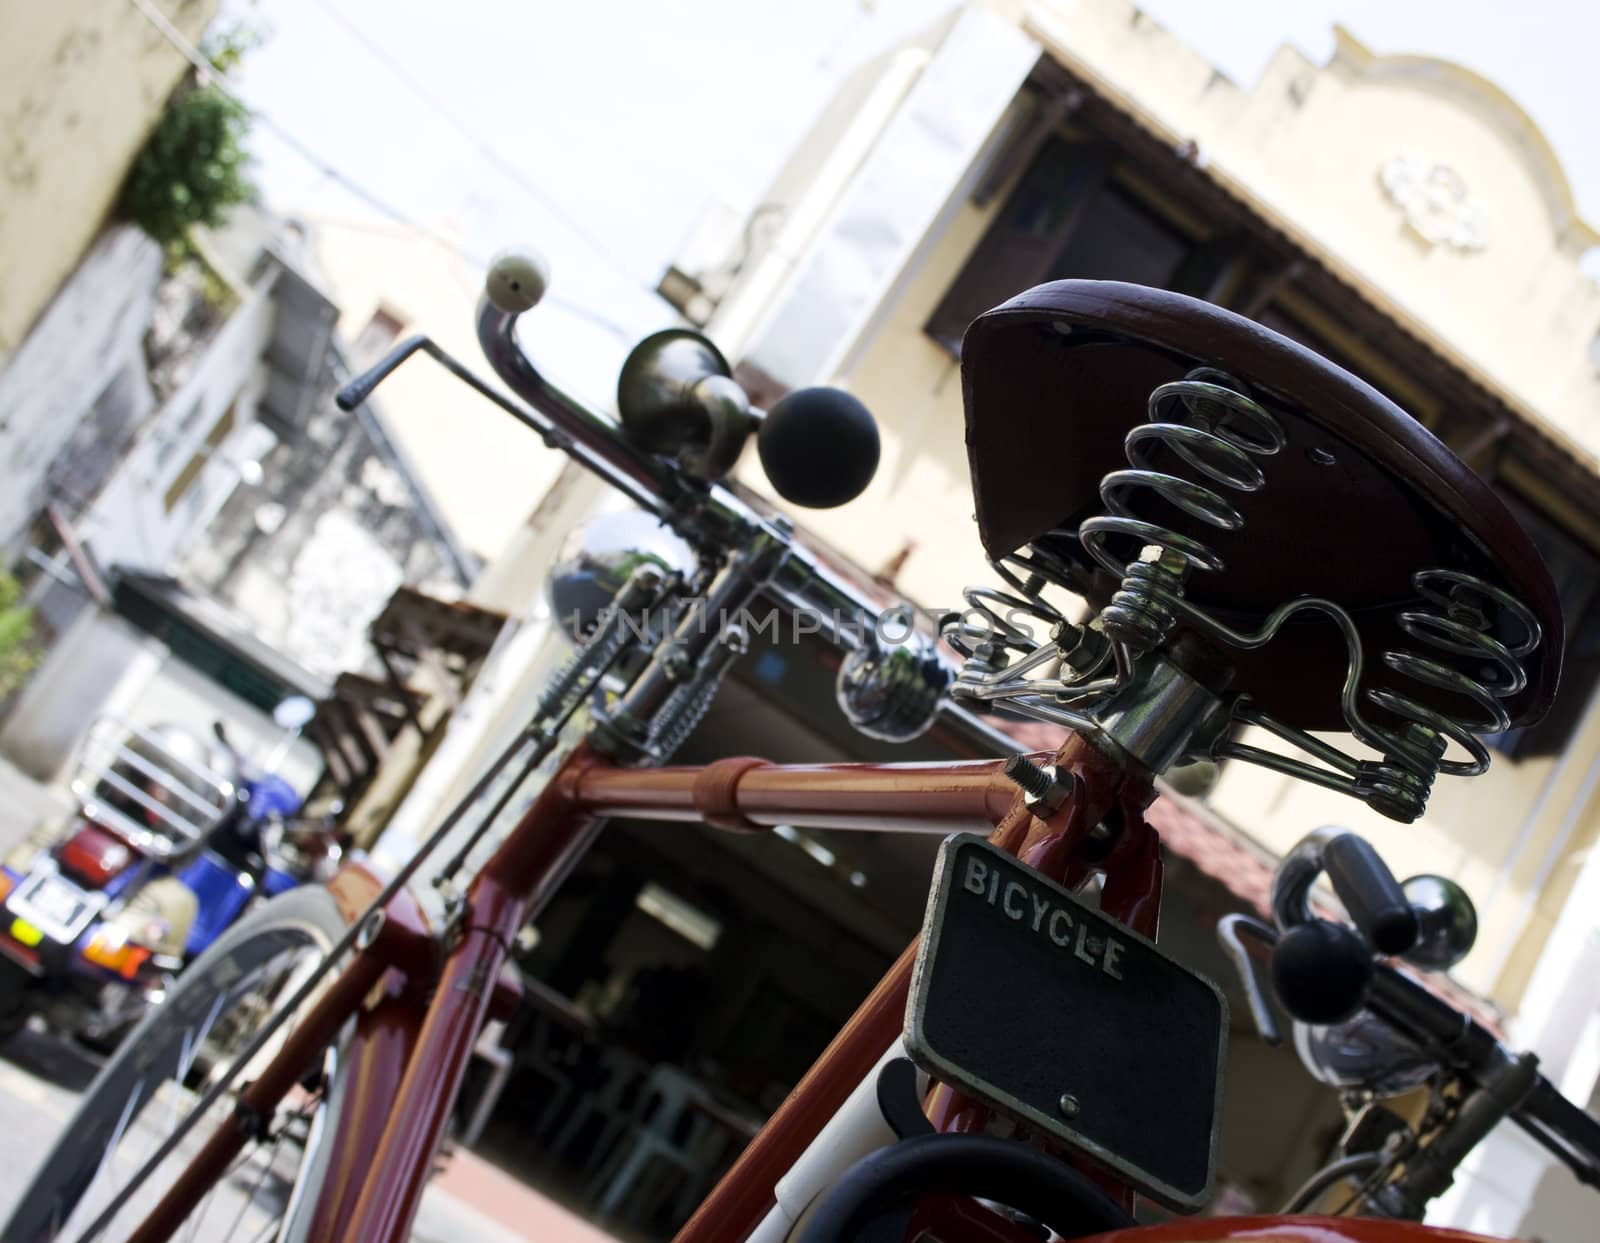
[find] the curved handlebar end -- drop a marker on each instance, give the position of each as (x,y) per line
(1371,894)
(516,280)
(354,394)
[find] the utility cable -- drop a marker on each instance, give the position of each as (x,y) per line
(490,155)
(219,81)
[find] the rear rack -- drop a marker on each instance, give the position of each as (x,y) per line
(123,767)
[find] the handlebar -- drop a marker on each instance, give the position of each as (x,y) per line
(706,514)
(1565,1130)
(568,425)
(1501,1083)
(1374,899)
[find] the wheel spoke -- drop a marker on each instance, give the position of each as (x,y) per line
(116,1139)
(190,1053)
(255,1188)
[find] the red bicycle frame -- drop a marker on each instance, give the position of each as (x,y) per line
(417,1017)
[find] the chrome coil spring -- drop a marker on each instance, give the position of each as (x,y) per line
(1464,616)
(1018,620)
(1222,433)
(1471,638)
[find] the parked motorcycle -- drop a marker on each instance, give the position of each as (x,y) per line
(173,839)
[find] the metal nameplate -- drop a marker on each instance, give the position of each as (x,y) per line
(1066,1021)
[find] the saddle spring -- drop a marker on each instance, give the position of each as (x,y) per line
(1464,614)
(1225,431)
(1477,634)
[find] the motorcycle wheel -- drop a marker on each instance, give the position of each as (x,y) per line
(14,1007)
(158,1073)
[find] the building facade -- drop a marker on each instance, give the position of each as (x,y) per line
(92,78)
(1399,214)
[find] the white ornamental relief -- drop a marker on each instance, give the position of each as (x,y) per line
(1435,202)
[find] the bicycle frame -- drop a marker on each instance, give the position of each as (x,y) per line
(416,1018)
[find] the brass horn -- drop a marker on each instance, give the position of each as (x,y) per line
(677,397)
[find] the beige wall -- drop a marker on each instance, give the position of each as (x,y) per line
(81,85)
(485,471)
(1307,146)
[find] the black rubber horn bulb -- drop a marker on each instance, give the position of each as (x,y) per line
(819,447)
(1321,971)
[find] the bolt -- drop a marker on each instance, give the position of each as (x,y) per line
(1045,788)
(1028,775)
(1068,1105)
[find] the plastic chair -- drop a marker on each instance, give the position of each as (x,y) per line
(672,1147)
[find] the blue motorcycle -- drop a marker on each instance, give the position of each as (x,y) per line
(172,840)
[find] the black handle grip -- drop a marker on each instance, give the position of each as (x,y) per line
(357,391)
(819,447)
(1371,894)
(1563,1128)
(1321,971)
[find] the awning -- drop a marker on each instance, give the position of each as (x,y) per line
(210,638)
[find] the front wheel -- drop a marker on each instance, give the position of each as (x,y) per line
(159,1072)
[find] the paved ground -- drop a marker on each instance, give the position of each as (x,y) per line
(470,1200)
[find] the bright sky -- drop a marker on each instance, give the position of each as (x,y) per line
(600,129)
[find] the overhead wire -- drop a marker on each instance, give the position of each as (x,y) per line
(218,80)
(489,153)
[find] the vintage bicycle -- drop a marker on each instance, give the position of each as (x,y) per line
(1264,540)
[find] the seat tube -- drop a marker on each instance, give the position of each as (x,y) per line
(386,1034)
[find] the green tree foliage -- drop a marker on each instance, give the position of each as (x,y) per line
(192,169)
(18,653)
(226,47)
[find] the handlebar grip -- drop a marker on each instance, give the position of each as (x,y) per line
(356,392)
(517,280)
(1370,894)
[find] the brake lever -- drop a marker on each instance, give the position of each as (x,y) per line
(1231,931)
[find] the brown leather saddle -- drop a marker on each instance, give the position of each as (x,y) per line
(1360,498)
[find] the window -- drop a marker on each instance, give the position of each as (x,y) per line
(1118,240)
(1067,217)
(380,332)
